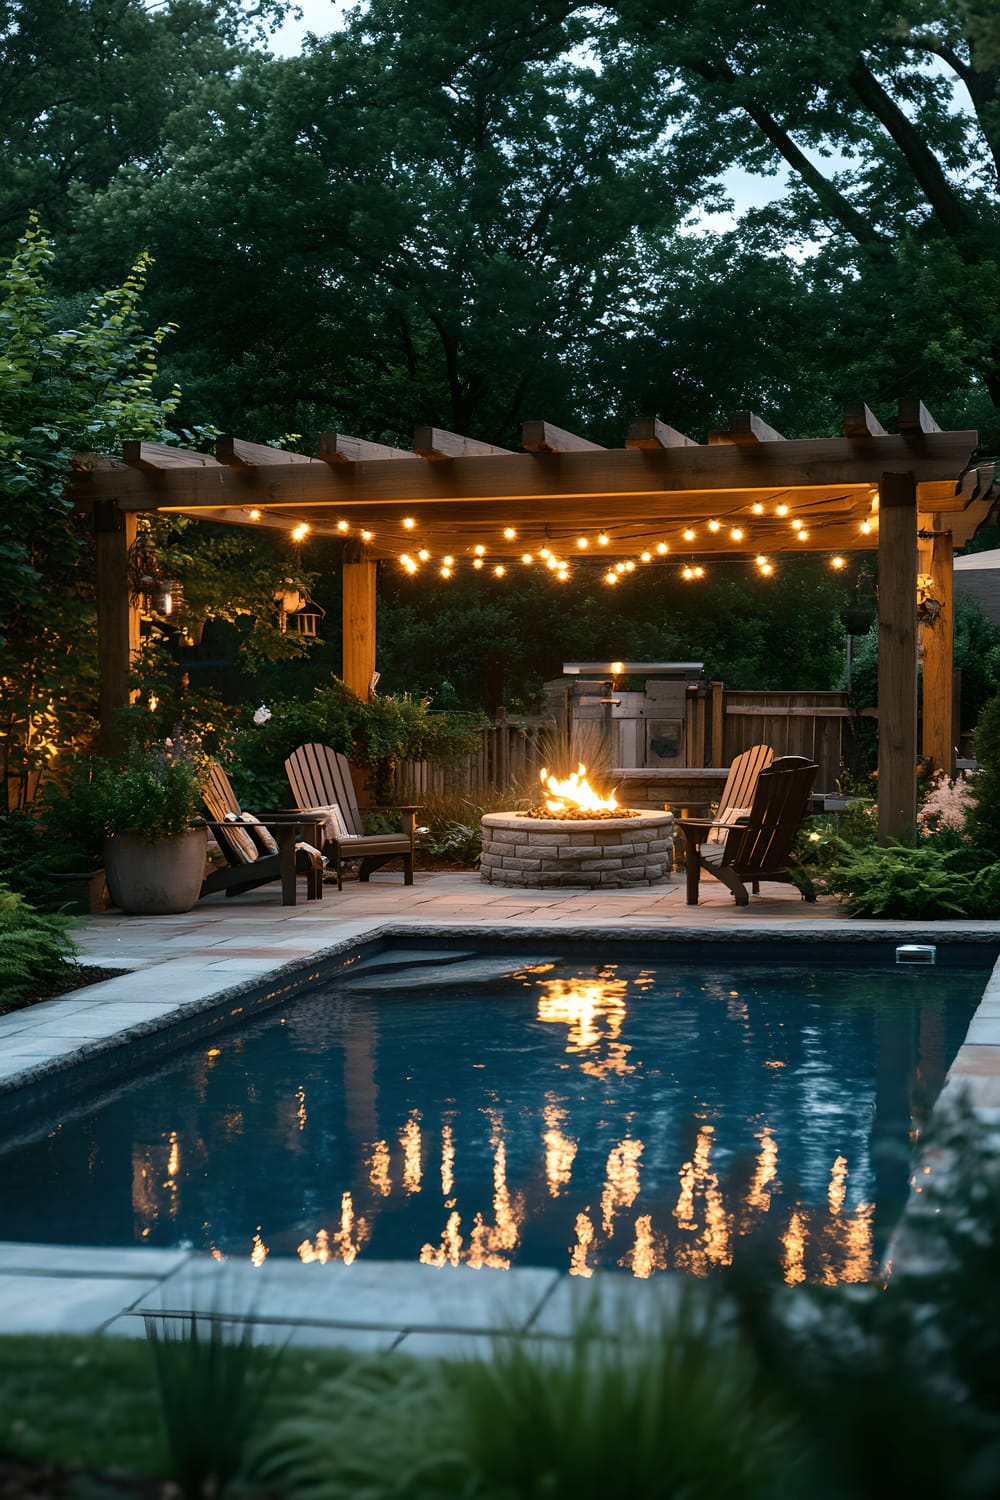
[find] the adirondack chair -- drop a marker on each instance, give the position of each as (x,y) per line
(758,846)
(320,779)
(256,852)
(737,794)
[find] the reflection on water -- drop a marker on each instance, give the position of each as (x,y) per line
(583,1120)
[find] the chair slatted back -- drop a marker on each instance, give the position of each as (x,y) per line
(220,799)
(320,776)
(778,808)
(741,782)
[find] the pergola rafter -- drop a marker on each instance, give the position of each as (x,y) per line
(746,491)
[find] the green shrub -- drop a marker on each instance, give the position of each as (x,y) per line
(32,944)
(930,882)
(154,793)
(983,822)
(26,853)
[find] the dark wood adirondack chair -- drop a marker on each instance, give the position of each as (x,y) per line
(758,846)
(247,865)
(320,779)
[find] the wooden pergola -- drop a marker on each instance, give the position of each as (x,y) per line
(453,503)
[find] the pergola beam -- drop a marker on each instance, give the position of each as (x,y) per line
(650,433)
(542,437)
(338,448)
(860,422)
(897,659)
(746,429)
(436,444)
(915,419)
(238,454)
(156,458)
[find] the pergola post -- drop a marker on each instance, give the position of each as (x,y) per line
(358,619)
(939,726)
(117,618)
(897,658)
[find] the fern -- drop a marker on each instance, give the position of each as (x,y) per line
(32,944)
(917,884)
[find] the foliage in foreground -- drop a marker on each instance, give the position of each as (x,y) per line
(32,943)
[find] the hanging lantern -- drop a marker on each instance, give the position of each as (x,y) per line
(149,587)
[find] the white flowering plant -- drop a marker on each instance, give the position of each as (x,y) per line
(947,806)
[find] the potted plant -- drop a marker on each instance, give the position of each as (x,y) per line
(146,809)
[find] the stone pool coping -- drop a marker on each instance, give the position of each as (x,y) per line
(449,1311)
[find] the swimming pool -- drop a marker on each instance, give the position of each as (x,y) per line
(532,1109)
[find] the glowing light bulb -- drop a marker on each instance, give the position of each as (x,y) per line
(423,554)
(757,508)
(736,534)
(551,562)
(254,515)
(582,542)
(619,567)
(699,572)
(509,533)
(689,535)
(767,569)
(409,523)
(562,575)
(367,536)
(687,573)
(781,510)
(646,557)
(662,548)
(760,559)
(611,577)
(527,558)
(617,668)
(866,527)
(803,536)
(343,526)
(838,562)
(602,540)
(796,525)
(630,566)
(449,562)
(544,552)
(479,551)
(411,566)
(499,570)
(477,562)
(445,572)
(298,532)
(714,525)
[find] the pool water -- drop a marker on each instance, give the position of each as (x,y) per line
(486,1112)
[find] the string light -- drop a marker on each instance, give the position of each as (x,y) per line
(736,534)
(509,533)
(646,557)
(367,536)
(714,525)
(602,540)
(254,515)
(343,526)
(699,572)
(423,554)
(298,532)
(527,559)
(760,559)
(630,566)
(499,570)
(445,572)
(689,535)
(662,548)
(551,562)
(803,536)
(796,525)
(757,508)
(619,567)
(866,527)
(477,562)
(409,523)
(611,577)
(544,552)
(582,543)
(562,575)
(781,510)
(838,562)
(479,551)
(449,562)
(767,569)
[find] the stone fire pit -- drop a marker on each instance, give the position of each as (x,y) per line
(542,852)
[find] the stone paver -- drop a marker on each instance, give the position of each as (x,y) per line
(220,953)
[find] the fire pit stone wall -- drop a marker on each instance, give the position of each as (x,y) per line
(588,852)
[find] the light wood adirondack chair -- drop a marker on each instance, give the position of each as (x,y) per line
(248,867)
(741,783)
(759,846)
(320,778)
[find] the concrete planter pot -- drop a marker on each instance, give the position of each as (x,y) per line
(156,879)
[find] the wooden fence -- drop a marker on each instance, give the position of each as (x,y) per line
(719,725)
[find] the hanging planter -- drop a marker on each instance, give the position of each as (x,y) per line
(149,586)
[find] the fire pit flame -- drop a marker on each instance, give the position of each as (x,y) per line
(574,794)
